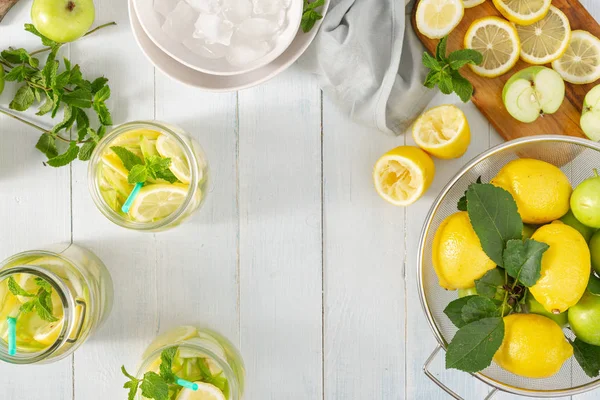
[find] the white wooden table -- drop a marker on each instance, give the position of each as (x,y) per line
(294,257)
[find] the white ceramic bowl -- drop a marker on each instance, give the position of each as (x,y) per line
(214,83)
(151,22)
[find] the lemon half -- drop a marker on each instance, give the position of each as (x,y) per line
(443,132)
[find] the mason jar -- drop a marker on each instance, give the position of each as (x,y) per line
(79,290)
(164,199)
(203,357)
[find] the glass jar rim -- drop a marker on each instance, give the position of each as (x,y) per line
(68,304)
(231,376)
(112,215)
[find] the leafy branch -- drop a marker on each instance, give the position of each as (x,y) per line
(151,168)
(310,14)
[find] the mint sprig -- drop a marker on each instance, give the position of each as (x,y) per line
(41,301)
(141,171)
(310,14)
(444,70)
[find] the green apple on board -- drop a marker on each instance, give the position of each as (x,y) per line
(532,92)
(585,201)
(63,20)
(584,318)
(590,115)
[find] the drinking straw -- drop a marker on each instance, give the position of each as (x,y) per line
(187,384)
(131,197)
(12,335)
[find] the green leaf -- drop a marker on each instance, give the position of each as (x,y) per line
(19,73)
(69,118)
(45,41)
(523,260)
(137,174)
(132,384)
(18,56)
(431,63)
(83,122)
(588,357)
(154,387)
(27,307)
(127,157)
(44,284)
(495,219)
(66,157)
(46,107)
(43,306)
(47,145)
(445,83)
(454,310)
(23,99)
(474,345)
(489,283)
(76,77)
(98,84)
(81,98)
(432,79)
(166,365)
(102,95)
(440,50)
(462,87)
(157,164)
(103,113)
(50,70)
(17,290)
(86,151)
(309,19)
(460,58)
(167,175)
(462,202)
(478,308)
(315,4)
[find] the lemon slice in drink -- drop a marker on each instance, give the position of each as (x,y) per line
(580,63)
(523,12)
(171,337)
(205,391)
(443,132)
(113,161)
(402,175)
(437,18)
(168,147)
(157,201)
(133,137)
(472,3)
(546,40)
(47,334)
(498,41)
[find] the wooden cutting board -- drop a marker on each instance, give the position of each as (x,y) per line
(488,91)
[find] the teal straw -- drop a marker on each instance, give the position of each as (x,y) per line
(187,384)
(131,197)
(12,335)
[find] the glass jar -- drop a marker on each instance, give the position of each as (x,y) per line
(82,293)
(203,356)
(108,176)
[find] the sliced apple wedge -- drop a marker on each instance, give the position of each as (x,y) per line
(590,116)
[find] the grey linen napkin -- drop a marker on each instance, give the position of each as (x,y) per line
(368,60)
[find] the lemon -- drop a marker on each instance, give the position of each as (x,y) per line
(158,201)
(472,3)
(541,190)
(48,334)
(523,12)
(498,41)
(458,258)
(566,267)
(580,63)
(132,137)
(171,337)
(169,148)
(533,346)
(112,161)
(437,18)
(443,132)
(546,40)
(403,174)
(205,391)
(116,180)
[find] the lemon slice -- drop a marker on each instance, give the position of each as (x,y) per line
(133,137)
(437,18)
(402,175)
(581,62)
(472,3)
(546,40)
(48,334)
(498,41)
(205,391)
(523,12)
(113,161)
(157,201)
(172,337)
(168,147)
(443,132)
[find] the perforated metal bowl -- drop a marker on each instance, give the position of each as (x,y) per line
(576,158)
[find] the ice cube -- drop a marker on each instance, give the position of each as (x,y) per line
(267,6)
(206,6)
(260,28)
(213,29)
(244,50)
(200,47)
(280,19)
(237,11)
(179,23)
(164,7)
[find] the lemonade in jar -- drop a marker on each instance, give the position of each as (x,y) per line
(148,176)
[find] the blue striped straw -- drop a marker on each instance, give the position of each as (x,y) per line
(12,335)
(187,384)
(131,197)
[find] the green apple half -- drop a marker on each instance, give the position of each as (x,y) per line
(63,20)
(590,116)
(532,92)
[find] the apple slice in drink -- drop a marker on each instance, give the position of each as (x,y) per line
(590,116)
(532,92)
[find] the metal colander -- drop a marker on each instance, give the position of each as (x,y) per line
(576,158)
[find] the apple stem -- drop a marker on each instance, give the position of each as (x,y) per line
(70,6)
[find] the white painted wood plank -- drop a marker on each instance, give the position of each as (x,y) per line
(280,238)
(363,267)
(35,212)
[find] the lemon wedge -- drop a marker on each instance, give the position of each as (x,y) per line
(523,12)
(498,41)
(402,175)
(580,63)
(157,201)
(472,3)
(169,148)
(546,40)
(443,132)
(205,391)
(437,18)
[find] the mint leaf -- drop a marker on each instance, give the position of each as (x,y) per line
(47,145)
(66,157)
(588,357)
(69,118)
(462,87)
(431,62)
(454,310)
(103,113)
(49,72)
(17,290)
(45,41)
(46,107)
(102,94)
(18,56)
(154,387)
(489,283)
(445,83)
(495,219)
(43,306)
(479,307)
(127,157)
(432,79)
(310,16)
(462,202)
(523,260)
(42,283)
(81,98)
(23,99)
(19,73)
(86,151)
(460,58)
(156,164)
(166,365)
(474,345)
(98,84)
(132,384)
(440,50)
(138,174)
(167,175)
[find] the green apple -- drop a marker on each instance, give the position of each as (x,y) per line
(595,251)
(466,292)
(586,231)
(63,20)
(534,307)
(532,92)
(585,202)
(528,231)
(584,318)
(590,115)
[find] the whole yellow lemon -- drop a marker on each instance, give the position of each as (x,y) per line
(458,258)
(533,346)
(566,267)
(541,190)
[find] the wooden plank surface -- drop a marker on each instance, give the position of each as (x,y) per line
(488,91)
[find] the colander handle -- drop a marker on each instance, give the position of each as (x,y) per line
(445,388)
